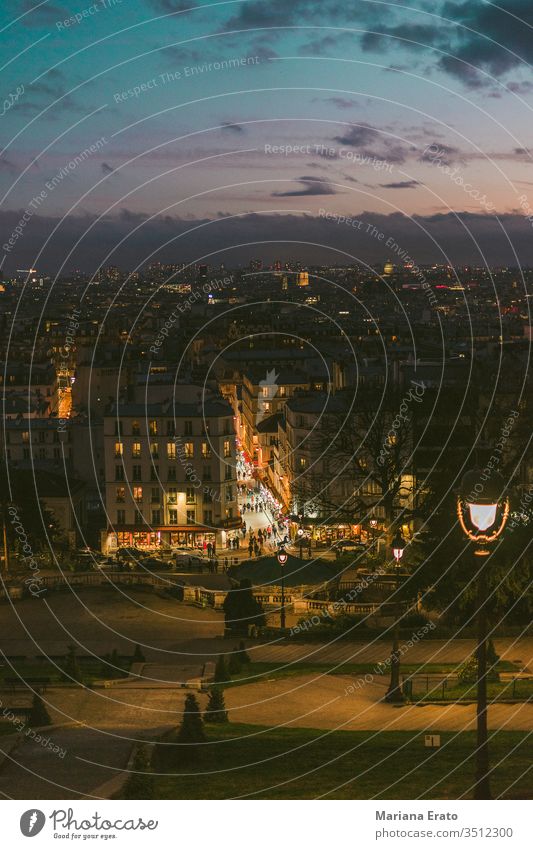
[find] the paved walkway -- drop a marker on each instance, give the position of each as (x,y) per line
(333,702)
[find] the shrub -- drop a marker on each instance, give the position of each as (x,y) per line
(234,664)
(39,715)
(221,672)
(216,706)
(140,782)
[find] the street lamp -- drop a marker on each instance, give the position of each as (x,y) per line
(394,693)
(373,525)
(282,559)
(482,509)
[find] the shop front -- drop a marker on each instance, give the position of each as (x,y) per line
(322,534)
(193,537)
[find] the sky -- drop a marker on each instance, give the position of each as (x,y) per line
(161,129)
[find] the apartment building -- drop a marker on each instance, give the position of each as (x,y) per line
(170,475)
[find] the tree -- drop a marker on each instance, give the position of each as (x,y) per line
(234,664)
(365,445)
(138,656)
(140,782)
(216,706)
(191,732)
(242,610)
(72,666)
(19,490)
(221,675)
(39,715)
(242,654)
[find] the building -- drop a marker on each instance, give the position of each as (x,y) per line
(170,475)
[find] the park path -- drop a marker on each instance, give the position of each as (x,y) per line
(96,748)
(332,702)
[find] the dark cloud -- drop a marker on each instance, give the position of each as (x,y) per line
(53,86)
(449,237)
(45,13)
(358,136)
(382,147)
(106,169)
(403,184)
(342,102)
(311,186)
(229,126)
(445,154)
(169,6)
(493,38)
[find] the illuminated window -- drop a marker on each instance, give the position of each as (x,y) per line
(172,496)
(137,493)
(227,448)
(172,516)
(153,428)
(189,449)
(119,449)
(136,449)
(171,450)
(206,449)
(121,493)
(190,497)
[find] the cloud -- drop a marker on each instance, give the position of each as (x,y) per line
(493,37)
(340,102)
(449,237)
(403,184)
(106,169)
(358,136)
(445,154)
(231,127)
(169,6)
(42,14)
(311,186)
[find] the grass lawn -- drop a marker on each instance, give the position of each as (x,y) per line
(91,670)
(521,690)
(302,763)
(254,672)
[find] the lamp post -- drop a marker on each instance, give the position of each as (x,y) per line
(282,559)
(373,526)
(394,693)
(301,534)
(482,509)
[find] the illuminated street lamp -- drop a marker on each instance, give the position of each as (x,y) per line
(394,693)
(282,559)
(482,509)
(373,525)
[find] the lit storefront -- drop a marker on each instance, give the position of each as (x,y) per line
(183,536)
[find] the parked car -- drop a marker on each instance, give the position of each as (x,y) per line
(154,564)
(186,559)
